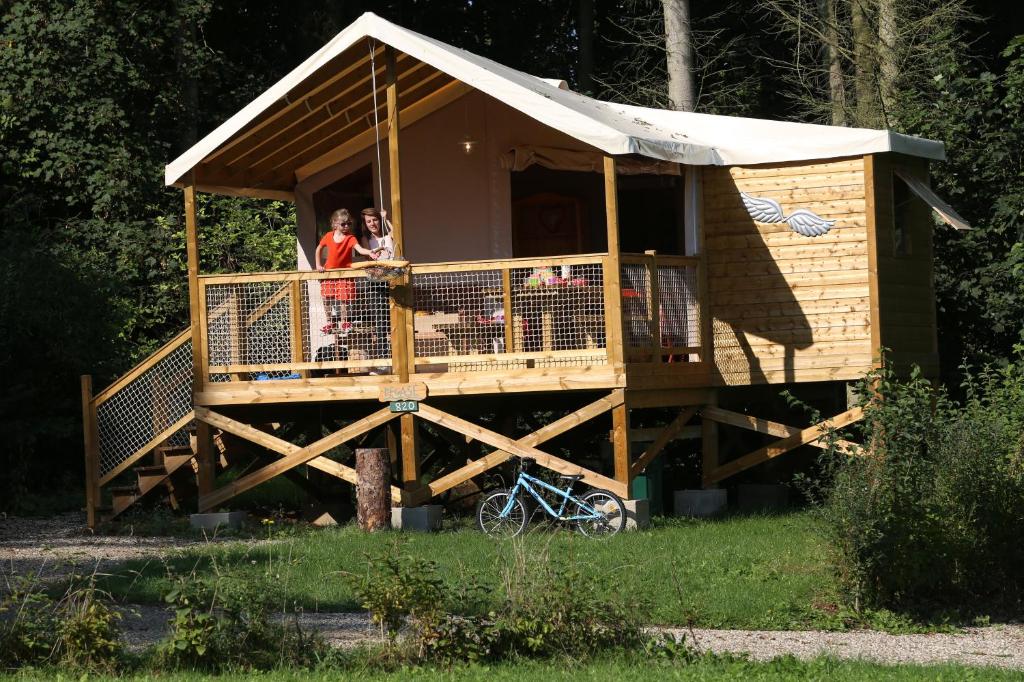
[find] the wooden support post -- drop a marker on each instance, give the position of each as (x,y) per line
(709,444)
(673,429)
(192,251)
(620,446)
(297,330)
(613,267)
(402,348)
(373,498)
(91,443)
(654,304)
(205,458)
(506,297)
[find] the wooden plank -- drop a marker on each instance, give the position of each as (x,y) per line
(146,448)
(282,366)
(722,196)
(794,251)
(203,325)
(192,253)
(410,453)
(765,426)
(620,446)
(675,397)
(667,435)
(773,341)
(769,327)
(872,208)
(282,447)
(783,376)
(799,309)
(541,435)
(612,266)
(294,459)
(91,451)
(394,167)
(502,263)
(797,168)
(141,368)
(782,295)
(781,239)
(780,280)
(709,444)
(505,443)
(726,270)
(506,297)
(654,302)
(207,472)
(823,181)
(784,445)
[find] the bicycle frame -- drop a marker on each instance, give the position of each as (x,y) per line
(526,481)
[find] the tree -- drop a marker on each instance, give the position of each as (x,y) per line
(850,61)
(682,92)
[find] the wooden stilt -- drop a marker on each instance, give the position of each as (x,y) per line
(620,446)
(92,476)
(709,445)
(410,453)
(673,429)
(205,458)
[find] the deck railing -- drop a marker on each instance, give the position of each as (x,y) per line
(468,316)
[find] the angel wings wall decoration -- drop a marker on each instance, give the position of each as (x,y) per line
(801,221)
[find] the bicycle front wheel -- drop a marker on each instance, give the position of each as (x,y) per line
(492,522)
(610,517)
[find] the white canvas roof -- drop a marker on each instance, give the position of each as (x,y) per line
(690,138)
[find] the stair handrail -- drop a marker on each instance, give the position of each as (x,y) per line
(138,369)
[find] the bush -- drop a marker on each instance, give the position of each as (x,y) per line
(78,631)
(550,609)
(930,516)
(226,624)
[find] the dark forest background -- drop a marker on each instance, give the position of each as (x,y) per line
(96,96)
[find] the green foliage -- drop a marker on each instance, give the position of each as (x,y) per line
(223,624)
(929,518)
(78,631)
(550,609)
(979,275)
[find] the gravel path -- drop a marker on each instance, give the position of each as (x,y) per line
(60,545)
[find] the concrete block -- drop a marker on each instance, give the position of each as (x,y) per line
(762,497)
(215,520)
(700,503)
(638,514)
(424,518)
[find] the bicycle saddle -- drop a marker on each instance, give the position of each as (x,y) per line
(574,477)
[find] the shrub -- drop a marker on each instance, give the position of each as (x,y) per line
(227,623)
(550,609)
(77,631)
(930,516)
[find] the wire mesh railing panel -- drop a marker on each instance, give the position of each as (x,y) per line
(248,323)
(346,320)
(144,408)
(459,313)
(558,308)
(636,309)
(679,308)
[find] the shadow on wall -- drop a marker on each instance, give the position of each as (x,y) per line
(758,322)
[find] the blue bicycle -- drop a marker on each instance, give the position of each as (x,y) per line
(503,513)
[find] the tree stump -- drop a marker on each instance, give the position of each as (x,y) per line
(373,493)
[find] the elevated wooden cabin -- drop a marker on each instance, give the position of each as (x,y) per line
(624,258)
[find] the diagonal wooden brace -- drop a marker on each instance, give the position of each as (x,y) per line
(541,435)
(767,427)
(779,447)
(513,447)
(293,458)
(664,438)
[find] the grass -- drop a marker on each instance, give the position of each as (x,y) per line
(614,668)
(766,572)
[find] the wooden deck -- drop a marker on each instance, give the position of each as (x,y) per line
(471,328)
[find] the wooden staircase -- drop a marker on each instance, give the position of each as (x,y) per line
(150,477)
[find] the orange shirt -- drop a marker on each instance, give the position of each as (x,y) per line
(339,254)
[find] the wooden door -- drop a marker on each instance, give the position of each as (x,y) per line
(547,224)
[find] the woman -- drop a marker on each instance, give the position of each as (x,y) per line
(377,237)
(377,233)
(339,244)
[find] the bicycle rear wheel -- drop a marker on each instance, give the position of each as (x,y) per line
(611,514)
(490,520)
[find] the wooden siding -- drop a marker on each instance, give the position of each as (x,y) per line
(784,307)
(906,295)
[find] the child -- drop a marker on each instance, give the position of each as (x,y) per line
(339,245)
